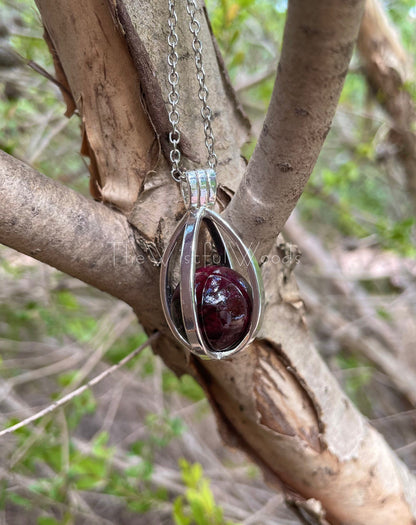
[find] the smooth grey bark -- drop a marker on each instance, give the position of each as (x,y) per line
(317,46)
(56,225)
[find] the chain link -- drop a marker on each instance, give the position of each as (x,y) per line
(206,112)
(173,79)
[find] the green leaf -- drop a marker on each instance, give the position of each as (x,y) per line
(191,474)
(177,426)
(67,299)
(145,470)
(81,329)
(123,347)
(190,388)
(100,448)
(137,447)
(384,314)
(197,506)
(67,378)
(140,506)
(47,520)
(88,482)
(207,496)
(178,512)
(19,500)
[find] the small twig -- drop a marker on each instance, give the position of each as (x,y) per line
(20,60)
(42,71)
(254,80)
(77,392)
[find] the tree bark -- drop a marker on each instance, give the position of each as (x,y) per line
(277,400)
(317,45)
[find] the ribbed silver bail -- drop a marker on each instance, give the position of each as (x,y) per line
(199,188)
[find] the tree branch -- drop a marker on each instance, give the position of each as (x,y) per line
(317,46)
(101,75)
(54,224)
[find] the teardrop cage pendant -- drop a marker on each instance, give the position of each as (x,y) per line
(212,310)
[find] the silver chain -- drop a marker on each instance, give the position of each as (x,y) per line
(173,79)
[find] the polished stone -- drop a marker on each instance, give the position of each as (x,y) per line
(224,306)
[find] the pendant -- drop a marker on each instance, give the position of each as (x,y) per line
(212,309)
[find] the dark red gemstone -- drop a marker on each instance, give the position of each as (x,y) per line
(224,306)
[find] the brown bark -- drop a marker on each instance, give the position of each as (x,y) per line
(387,69)
(117,171)
(277,401)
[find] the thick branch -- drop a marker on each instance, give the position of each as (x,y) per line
(317,46)
(48,221)
(101,76)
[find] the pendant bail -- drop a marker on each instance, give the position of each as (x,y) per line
(199,188)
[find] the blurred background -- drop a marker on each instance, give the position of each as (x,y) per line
(142,447)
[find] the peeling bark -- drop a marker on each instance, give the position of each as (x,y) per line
(277,401)
(105,86)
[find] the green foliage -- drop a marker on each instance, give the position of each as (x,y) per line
(15,498)
(197,506)
(47,520)
(185,385)
(42,447)
(61,316)
(32,48)
(123,347)
(354,91)
(95,470)
(403,15)
(91,471)
(397,236)
(348,192)
(357,203)
(384,314)
(237,25)
(162,429)
(32,122)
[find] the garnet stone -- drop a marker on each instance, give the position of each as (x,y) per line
(224,306)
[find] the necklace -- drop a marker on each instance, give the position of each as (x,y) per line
(212,309)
